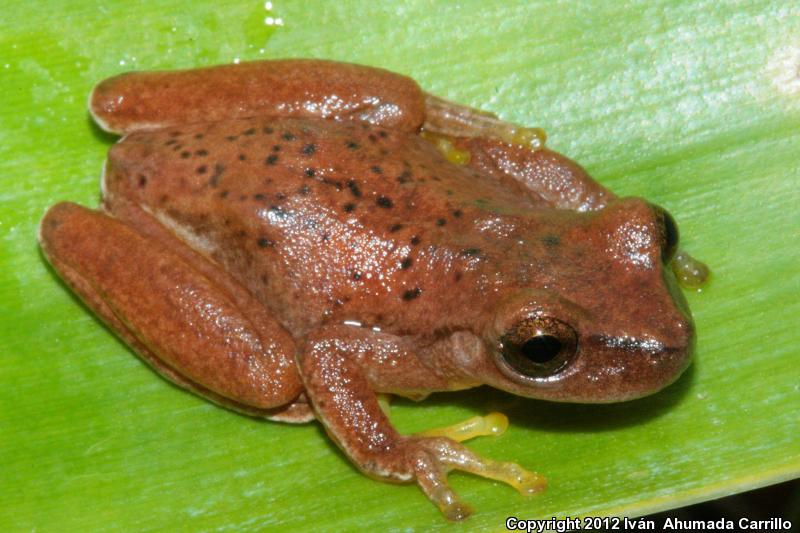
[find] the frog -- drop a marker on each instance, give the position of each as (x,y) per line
(294,239)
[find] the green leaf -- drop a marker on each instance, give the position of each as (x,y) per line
(693,105)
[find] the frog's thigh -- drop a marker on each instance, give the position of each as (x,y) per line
(178,319)
(296,87)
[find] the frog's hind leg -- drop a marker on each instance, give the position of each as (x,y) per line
(182,322)
(514,155)
(447,118)
(280,88)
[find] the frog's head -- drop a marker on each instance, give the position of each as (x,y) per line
(602,318)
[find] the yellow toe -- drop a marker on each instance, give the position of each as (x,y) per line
(478,426)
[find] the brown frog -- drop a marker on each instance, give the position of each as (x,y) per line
(290,238)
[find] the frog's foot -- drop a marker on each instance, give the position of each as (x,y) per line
(690,272)
(431,458)
(493,424)
(447,118)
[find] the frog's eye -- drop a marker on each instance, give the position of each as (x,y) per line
(538,346)
(669,242)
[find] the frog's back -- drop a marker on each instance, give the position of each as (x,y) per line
(319,219)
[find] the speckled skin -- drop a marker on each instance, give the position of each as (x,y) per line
(302,256)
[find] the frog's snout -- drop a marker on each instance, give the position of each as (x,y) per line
(625,368)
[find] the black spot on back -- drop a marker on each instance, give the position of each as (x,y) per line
(395,228)
(406,263)
(411,294)
(272,159)
(309,149)
(333,183)
(219,170)
(440,222)
(353,186)
(384,202)
(263,242)
(551,240)
(288,136)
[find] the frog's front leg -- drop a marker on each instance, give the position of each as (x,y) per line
(343,368)
(177,317)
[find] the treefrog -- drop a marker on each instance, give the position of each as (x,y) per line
(292,238)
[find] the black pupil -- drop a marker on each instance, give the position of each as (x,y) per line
(541,349)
